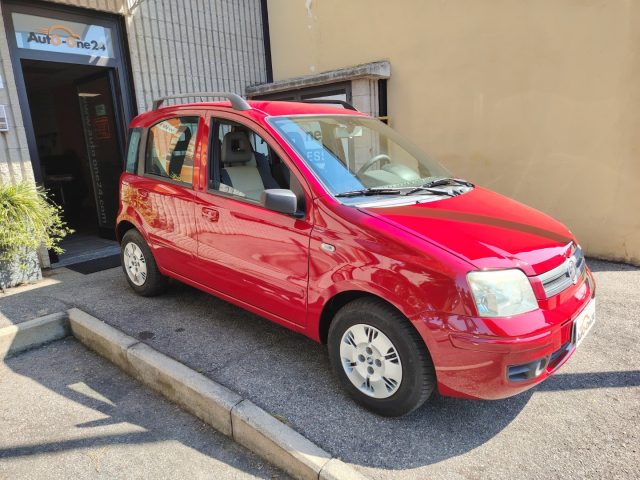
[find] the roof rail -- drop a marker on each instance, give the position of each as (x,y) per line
(346,105)
(237,102)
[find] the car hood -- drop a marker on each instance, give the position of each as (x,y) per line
(486,229)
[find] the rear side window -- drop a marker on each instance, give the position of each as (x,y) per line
(171,147)
(132,151)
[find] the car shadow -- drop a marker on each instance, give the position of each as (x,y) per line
(283,372)
(289,376)
(441,429)
(597,265)
(583,381)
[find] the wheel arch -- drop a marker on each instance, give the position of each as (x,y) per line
(130,219)
(339,300)
(123,227)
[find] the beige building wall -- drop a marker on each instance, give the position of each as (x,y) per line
(215,45)
(538,100)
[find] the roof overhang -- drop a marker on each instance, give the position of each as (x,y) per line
(374,70)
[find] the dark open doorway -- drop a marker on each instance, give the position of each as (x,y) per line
(73,76)
(79,149)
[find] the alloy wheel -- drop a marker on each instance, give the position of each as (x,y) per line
(371,361)
(135,264)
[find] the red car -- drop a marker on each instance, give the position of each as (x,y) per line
(324,220)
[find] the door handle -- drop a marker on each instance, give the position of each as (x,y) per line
(210,214)
(144,194)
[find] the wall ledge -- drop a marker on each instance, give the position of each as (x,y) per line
(374,70)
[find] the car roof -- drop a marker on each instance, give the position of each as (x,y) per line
(274,108)
(266,107)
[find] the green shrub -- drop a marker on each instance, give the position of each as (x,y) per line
(28,220)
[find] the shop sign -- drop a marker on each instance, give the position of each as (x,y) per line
(59,36)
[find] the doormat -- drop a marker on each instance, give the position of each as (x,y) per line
(95,265)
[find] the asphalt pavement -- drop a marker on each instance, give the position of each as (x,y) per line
(583,422)
(67,413)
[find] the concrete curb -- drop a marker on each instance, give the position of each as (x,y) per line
(33,333)
(268,437)
(207,400)
(336,469)
(213,403)
(103,339)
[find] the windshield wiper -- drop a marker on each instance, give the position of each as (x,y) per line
(430,190)
(439,182)
(370,191)
(427,187)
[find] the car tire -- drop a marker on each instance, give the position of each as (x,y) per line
(369,338)
(139,266)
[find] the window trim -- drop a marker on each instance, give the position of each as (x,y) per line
(132,131)
(142,170)
(211,163)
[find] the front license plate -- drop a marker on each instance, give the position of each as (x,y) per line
(584,322)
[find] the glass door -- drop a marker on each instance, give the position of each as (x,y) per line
(104,155)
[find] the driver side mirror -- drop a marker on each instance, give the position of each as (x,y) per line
(280,200)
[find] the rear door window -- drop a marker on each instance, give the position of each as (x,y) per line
(171,147)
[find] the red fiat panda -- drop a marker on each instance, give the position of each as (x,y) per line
(325,220)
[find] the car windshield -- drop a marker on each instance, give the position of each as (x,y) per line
(354,153)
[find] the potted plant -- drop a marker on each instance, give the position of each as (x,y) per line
(27,221)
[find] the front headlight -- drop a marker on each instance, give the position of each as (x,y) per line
(501,293)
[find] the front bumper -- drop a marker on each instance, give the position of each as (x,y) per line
(497,358)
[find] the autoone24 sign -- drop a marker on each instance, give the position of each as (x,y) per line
(53,35)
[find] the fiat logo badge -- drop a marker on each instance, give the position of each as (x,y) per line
(572,271)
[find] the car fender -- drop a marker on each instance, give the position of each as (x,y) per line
(320,296)
(129,214)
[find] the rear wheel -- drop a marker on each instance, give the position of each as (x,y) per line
(139,266)
(379,358)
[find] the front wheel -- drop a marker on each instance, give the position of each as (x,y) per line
(139,266)
(379,358)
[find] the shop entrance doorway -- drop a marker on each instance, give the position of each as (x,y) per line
(73,77)
(78,145)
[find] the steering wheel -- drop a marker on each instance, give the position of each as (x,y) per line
(371,161)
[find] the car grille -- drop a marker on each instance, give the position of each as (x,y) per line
(558,279)
(559,354)
(528,371)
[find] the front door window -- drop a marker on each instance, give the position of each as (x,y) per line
(244,164)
